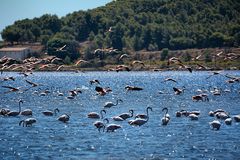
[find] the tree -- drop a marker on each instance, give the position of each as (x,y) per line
(116,36)
(50,22)
(152,47)
(91,36)
(70,49)
(11,34)
(67,60)
(139,23)
(181,43)
(216,39)
(137,43)
(164,54)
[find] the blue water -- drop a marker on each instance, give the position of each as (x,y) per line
(79,139)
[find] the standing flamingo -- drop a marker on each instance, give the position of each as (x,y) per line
(166,117)
(100,124)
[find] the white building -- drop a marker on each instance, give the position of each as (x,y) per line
(18,53)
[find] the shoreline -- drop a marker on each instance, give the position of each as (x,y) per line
(162,70)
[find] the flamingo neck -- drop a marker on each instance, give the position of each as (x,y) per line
(147,111)
(147,118)
(55,111)
(131,111)
(19,107)
(116,103)
(101,114)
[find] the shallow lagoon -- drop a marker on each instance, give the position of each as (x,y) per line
(79,139)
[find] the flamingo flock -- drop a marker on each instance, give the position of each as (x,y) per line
(104,120)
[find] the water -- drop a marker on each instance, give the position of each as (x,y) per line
(79,139)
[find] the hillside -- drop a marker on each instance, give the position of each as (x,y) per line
(134,25)
(140,24)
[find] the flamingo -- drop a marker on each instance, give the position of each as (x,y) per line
(237,118)
(25,74)
(166,117)
(112,127)
(202,67)
(124,116)
(96,115)
(60,67)
(170,79)
(213,113)
(215,124)
(12,89)
(133,88)
(26,112)
(110,29)
(94,81)
(4,111)
(197,57)
(64,118)
(222,115)
(80,61)
(174,60)
(138,62)
(195,112)
(102,91)
(122,68)
(110,104)
(61,48)
(182,112)
(59,93)
(15,113)
(138,121)
(51,113)
(186,67)
(178,91)
(117,118)
(9,78)
(123,56)
(185,113)
(228,121)
(144,116)
(31,83)
(28,122)
(100,124)
(178,114)
(193,116)
(214,73)
(202,97)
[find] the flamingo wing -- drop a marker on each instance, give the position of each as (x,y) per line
(34,84)
(9,87)
(175,89)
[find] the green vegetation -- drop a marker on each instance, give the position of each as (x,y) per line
(135,25)
(1,44)
(70,51)
(140,24)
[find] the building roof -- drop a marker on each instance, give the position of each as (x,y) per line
(13,49)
